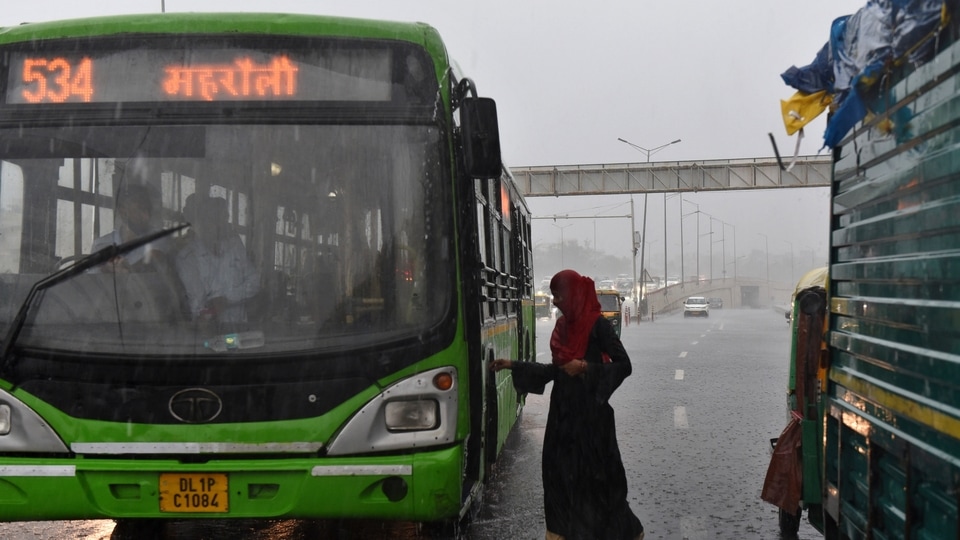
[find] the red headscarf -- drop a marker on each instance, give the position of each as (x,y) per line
(580,308)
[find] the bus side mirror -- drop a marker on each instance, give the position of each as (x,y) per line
(480,135)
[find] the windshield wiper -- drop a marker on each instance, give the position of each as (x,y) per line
(80,266)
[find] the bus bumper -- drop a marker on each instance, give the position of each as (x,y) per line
(424,486)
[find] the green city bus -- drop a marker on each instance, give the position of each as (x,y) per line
(323,352)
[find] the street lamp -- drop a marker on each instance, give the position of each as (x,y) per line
(766,255)
(665,271)
(649,152)
(734,251)
(791,259)
(635,239)
(710,243)
(561,227)
(697,212)
(699,236)
(723,248)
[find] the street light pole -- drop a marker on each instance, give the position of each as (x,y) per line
(766,255)
(651,151)
(736,284)
(697,212)
(710,242)
(633,261)
(711,246)
(791,260)
(682,277)
(643,269)
(665,242)
(563,265)
(665,268)
(734,252)
(643,235)
(723,247)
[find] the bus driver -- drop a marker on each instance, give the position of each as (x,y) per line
(217,276)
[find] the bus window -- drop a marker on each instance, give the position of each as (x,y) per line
(11,216)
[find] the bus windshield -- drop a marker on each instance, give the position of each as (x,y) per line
(301,237)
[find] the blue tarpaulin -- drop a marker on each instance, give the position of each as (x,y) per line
(860,47)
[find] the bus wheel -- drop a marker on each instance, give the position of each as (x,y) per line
(789,523)
(139,529)
(447,529)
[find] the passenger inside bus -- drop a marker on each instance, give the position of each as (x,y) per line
(134,217)
(218,277)
(319,290)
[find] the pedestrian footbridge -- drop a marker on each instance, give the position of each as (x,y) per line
(671,176)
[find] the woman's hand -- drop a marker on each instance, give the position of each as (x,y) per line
(501,363)
(575,368)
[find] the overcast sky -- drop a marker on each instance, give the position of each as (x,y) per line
(571,77)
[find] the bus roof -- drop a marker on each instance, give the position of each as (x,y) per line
(215,23)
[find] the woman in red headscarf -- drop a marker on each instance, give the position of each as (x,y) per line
(584,483)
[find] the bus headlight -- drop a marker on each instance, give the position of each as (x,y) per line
(4,419)
(412,415)
(23,430)
(417,412)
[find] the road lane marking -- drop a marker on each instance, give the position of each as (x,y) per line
(683,354)
(695,342)
(680,418)
(678,375)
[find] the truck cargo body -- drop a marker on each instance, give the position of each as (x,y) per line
(891,405)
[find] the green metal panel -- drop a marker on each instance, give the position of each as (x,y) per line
(811,480)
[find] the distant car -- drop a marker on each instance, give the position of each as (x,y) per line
(715,303)
(696,306)
(624,287)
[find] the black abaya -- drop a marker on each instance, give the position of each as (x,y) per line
(584,483)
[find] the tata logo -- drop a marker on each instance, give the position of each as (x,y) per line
(195,406)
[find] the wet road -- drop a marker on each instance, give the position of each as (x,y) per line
(694,423)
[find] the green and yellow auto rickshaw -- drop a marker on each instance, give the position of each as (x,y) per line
(542,305)
(611,306)
(793,481)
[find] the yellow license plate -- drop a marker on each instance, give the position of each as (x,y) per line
(194,492)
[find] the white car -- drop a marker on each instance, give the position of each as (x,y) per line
(696,306)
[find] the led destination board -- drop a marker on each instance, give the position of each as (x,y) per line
(202,75)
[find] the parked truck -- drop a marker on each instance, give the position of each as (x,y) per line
(872,444)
